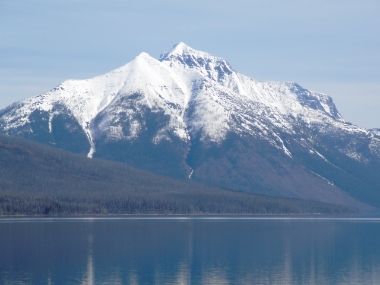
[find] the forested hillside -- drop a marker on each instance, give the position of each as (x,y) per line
(39,180)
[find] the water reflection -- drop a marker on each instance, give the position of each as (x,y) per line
(89,276)
(141,252)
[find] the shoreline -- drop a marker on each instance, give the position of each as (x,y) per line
(191,217)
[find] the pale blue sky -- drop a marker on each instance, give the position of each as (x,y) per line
(331,46)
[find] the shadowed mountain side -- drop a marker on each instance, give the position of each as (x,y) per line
(39,180)
(189,114)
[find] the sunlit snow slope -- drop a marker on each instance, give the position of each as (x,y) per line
(189,114)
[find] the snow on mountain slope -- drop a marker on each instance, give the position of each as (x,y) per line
(376,131)
(221,99)
(192,113)
(161,87)
(237,103)
(201,94)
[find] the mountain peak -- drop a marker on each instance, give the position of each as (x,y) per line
(190,115)
(181,49)
(143,57)
(213,66)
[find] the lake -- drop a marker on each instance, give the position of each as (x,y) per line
(189,251)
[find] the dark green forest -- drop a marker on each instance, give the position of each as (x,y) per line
(39,180)
(162,203)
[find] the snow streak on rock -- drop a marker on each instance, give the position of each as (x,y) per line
(201,95)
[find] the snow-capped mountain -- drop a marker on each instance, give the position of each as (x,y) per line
(189,114)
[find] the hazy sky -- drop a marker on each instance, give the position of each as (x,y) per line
(331,46)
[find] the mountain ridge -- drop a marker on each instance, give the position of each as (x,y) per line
(189,114)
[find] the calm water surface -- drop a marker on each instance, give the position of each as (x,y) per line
(189,251)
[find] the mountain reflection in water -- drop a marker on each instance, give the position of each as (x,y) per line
(189,251)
